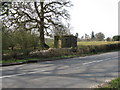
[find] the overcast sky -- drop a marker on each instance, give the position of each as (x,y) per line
(94,15)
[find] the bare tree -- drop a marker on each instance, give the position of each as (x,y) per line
(40,16)
(61,29)
(4,8)
(87,37)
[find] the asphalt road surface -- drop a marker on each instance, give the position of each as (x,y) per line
(80,72)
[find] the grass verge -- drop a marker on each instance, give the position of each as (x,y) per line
(112,85)
(49,58)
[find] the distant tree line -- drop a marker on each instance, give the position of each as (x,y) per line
(98,37)
(93,37)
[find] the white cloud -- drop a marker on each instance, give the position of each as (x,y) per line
(95,15)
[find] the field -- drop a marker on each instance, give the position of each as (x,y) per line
(84,43)
(96,42)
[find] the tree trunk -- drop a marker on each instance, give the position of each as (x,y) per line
(42,38)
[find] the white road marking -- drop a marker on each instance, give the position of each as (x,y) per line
(45,70)
(99,60)
(89,62)
(21,74)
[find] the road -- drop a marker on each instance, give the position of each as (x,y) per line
(80,72)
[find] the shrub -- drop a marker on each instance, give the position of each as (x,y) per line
(116,38)
(55,52)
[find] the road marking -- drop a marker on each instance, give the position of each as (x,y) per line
(21,74)
(99,60)
(16,75)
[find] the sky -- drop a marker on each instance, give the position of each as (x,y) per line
(94,15)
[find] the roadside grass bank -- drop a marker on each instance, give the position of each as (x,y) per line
(112,85)
(34,60)
(62,53)
(47,58)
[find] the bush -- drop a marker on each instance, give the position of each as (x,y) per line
(57,52)
(116,38)
(16,42)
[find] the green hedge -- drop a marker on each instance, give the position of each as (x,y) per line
(55,52)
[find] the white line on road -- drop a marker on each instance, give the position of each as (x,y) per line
(99,60)
(21,74)
(13,75)
(16,75)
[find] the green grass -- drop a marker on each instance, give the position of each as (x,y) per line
(50,44)
(13,61)
(38,59)
(18,60)
(114,85)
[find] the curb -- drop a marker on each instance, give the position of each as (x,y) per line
(19,63)
(31,61)
(27,62)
